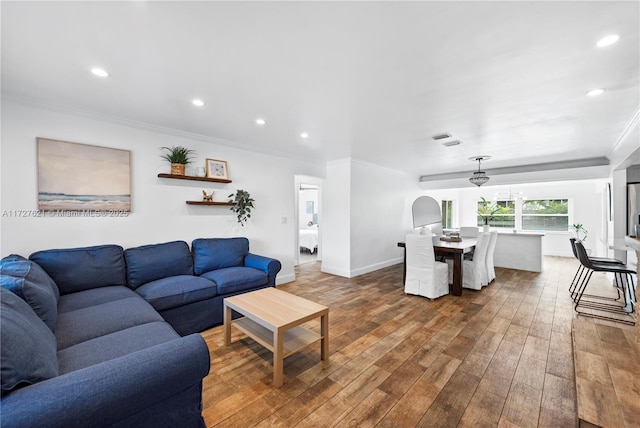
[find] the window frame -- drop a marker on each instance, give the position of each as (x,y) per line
(568,215)
(519,215)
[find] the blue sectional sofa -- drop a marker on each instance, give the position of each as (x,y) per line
(102,336)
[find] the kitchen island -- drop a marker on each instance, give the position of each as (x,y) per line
(519,250)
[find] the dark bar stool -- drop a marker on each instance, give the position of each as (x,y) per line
(627,287)
(583,271)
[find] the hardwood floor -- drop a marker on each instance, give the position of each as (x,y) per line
(501,356)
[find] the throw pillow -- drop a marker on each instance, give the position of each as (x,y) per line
(32,284)
(28,351)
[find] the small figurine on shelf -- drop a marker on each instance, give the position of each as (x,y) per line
(207,198)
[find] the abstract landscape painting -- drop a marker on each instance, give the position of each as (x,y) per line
(80,177)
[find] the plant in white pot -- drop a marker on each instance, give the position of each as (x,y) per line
(179,157)
(486,210)
(580,231)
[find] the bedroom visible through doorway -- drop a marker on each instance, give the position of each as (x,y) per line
(308,225)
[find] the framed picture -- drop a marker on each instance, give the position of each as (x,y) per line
(80,177)
(217,169)
(309,207)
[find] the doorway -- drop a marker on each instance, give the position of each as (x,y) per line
(308,220)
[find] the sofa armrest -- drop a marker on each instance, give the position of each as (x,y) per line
(112,391)
(266,264)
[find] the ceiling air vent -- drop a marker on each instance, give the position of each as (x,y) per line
(441,136)
(452,143)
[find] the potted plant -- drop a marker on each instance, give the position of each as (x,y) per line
(178,156)
(243,203)
(580,231)
(486,211)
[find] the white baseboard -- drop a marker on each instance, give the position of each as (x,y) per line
(360,271)
(283,279)
(376,266)
(335,271)
(558,254)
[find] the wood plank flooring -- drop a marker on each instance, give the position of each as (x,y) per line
(501,357)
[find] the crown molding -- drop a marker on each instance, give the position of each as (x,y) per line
(50,105)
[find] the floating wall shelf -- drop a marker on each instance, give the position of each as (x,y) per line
(191,178)
(226,204)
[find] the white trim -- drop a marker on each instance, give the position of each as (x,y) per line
(375,267)
(335,271)
(635,119)
(283,279)
(63,108)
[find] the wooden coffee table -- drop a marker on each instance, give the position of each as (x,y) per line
(272,318)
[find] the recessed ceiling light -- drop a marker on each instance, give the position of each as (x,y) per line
(607,40)
(197,102)
(595,92)
(260,121)
(452,143)
(304,135)
(99,72)
(441,136)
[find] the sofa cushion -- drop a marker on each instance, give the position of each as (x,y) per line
(78,269)
(151,262)
(27,346)
(167,293)
(114,345)
(234,279)
(32,284)
(95,321)
(93,297)
(217,253)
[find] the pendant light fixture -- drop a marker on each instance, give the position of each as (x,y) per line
(479,176)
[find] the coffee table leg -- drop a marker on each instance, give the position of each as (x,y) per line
(227,325)
(324,331)
(278,362)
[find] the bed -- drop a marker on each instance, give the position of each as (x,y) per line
(308,238)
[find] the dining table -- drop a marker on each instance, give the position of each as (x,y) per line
(453,249)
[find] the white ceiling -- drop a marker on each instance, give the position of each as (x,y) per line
(368,80)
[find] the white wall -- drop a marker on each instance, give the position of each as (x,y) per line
(587,198)
(380,215)
(366,211)
(159,212)
(336,214)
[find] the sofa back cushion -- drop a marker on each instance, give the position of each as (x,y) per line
(32,284)
(78,269)
(217,253)
(28,351)
(151,262)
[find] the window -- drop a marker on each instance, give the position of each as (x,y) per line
(447,214)
(523,214)
(499,214)
(545,214)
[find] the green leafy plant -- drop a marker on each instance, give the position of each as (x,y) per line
(580,231)
(243,204)
(178,154)
(486,210)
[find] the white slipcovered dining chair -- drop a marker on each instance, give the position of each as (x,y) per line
(474,272)
(469,231)
(425,276)
(491,270)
